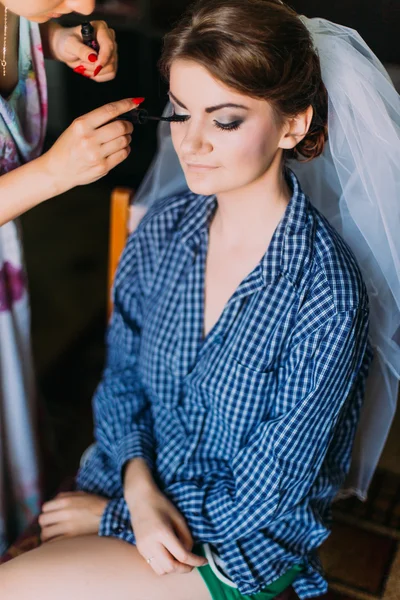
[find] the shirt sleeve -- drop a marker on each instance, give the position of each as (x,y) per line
(122,414)
(280,461)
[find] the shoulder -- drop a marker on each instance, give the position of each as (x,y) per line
(334,270)
(165,217)
(155,231)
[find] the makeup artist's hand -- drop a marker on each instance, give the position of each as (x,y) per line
(90,147)
(66,45)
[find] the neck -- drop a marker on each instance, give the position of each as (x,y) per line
(249,215)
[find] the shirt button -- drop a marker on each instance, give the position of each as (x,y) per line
(218,339)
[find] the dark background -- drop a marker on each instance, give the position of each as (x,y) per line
(66,238)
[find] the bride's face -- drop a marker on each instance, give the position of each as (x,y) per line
(228,140)
(41,11)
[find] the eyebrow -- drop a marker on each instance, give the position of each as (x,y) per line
(210,109)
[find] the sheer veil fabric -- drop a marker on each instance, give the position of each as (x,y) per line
(355,183)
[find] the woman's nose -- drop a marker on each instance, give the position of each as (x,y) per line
(194,142)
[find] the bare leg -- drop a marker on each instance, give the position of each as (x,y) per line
(89,567)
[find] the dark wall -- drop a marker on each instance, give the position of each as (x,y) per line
(378,21)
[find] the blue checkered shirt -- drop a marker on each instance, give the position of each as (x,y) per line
(249,431)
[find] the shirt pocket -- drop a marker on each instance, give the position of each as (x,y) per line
(241,396)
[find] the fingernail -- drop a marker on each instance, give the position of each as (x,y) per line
(97,70)
(137,100)
(81,70)
(92,57)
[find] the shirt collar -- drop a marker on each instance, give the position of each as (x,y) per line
(285,253)
(197,218)
(290,242)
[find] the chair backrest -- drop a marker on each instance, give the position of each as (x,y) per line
(124,218)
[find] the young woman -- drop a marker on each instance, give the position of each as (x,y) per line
(238,347)
(85,152)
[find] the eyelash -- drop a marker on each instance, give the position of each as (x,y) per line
(223,127)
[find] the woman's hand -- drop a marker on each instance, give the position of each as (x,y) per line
(162,535)
(90,147)
(71,514)
(66,45)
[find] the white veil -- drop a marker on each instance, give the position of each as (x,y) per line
(356,185)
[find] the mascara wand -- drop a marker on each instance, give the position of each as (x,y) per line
(141,116)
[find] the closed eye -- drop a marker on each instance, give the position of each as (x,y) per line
(233,126)
(174,118)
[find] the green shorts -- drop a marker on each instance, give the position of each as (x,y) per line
(222,591)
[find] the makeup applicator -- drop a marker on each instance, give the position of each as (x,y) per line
(141,117)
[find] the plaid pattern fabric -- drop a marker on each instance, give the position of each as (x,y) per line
(248,431)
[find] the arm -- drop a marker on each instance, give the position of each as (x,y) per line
(124,431)
(122,413)
(84,153)
(283,456)
(24,188)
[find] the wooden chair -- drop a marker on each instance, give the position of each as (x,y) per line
(125,215)
(124,218)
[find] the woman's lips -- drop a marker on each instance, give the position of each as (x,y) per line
(198,168)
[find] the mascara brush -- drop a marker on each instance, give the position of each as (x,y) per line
(141,117)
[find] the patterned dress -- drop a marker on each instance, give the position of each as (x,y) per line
(23,119)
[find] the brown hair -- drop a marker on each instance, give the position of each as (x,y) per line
(259,48)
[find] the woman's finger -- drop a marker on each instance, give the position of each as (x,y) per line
(115,145)
(112,131)
(162,562)
(106,40)
(178,550)
(183,532)
(53,517)
(70,494)
(169,564)
(100,116)
(106,73)
(115,159)
(56,504)
(76,48)
(63,500)
(53,531)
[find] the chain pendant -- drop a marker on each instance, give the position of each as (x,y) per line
(3,62)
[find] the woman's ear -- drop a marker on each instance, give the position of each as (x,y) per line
(296,129)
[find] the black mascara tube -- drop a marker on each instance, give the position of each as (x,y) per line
(88,36)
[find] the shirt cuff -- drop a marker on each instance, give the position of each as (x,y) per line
(138,444)
(116,521)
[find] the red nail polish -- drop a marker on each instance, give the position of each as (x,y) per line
(92,57)
(80,70)
(97,70)
(137,100)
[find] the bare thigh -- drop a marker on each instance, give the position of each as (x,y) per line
(89,567)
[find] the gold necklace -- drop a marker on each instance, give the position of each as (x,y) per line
(3,62)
